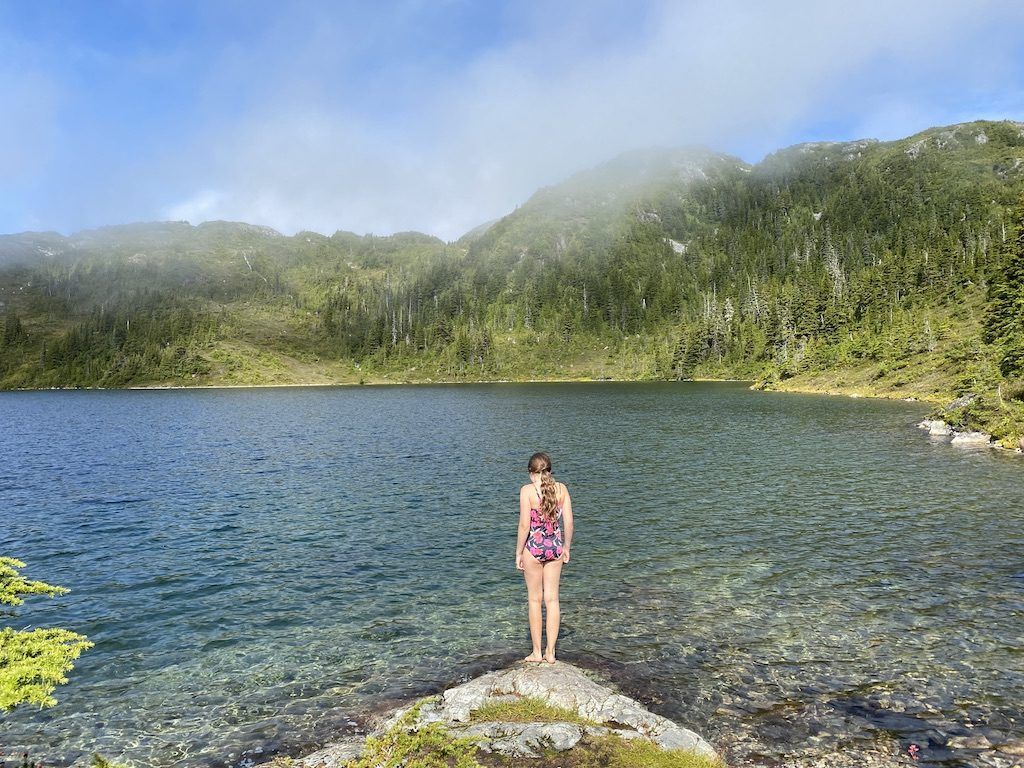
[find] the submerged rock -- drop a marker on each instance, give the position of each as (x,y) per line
(974,741)
(936,427)
(971,438)
(1015,747)
(602,710)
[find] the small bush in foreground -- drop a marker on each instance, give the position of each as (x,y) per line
(429,746)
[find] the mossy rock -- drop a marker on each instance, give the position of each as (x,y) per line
(523,716)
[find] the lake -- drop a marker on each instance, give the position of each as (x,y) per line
(260,568)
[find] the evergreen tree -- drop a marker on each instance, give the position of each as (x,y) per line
(32,662)
(1004,320)
(14,333)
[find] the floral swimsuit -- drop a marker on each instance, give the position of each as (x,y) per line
(545,538)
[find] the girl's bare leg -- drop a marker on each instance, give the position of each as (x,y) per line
(533,571)
(552,574)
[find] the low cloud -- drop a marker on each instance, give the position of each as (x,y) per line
(381,127)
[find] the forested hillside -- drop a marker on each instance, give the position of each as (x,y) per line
(894,268)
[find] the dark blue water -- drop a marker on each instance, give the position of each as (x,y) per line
(259,568)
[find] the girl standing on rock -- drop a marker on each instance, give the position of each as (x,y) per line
(541,548)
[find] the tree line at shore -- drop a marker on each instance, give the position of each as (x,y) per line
(896,261)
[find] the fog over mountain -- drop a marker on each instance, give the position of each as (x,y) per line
(437,117)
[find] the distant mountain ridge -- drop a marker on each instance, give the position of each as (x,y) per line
(859,265)
(624,176)
(621,177)
(634,169)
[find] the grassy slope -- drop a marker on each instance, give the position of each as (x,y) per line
(933,375)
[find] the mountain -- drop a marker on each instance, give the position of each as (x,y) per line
(882,267)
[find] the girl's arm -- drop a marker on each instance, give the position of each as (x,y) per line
(567,519)
(524,525)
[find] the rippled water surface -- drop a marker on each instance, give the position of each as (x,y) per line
(261,568)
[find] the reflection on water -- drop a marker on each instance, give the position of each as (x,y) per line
(261,568)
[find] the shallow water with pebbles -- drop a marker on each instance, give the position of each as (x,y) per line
(804,580)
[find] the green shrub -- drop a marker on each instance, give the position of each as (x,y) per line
(406,745)
(32,662)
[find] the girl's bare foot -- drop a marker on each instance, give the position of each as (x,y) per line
(549,657)
(534,657)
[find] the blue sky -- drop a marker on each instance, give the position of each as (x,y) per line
(437,116)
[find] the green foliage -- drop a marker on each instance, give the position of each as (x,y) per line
(32,662)
(527,709)
(1004,321)
(999,413)
(406,745)
(155,341)
(615,752)
(14,334)
(13,585)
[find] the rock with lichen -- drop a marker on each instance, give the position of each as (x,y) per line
(522,712)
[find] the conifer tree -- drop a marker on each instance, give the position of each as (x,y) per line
(13,331)
(1004,321)
(32,662)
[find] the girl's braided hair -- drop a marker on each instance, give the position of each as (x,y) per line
(541,463)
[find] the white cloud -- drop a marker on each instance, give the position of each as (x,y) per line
(323,122)
(28,132)
(202,206)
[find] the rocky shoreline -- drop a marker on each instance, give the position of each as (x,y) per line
(563,716)
(524,715)
(938,427)
(934,424)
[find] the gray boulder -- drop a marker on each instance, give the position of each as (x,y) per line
(524,739)
(564,685)
(936,427)
(973,741)
(971,438)
(333,755)
(963,401)
(530,739)
(561,685)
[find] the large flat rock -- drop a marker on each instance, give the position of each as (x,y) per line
(560,684)
(531,739)
(567,686)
